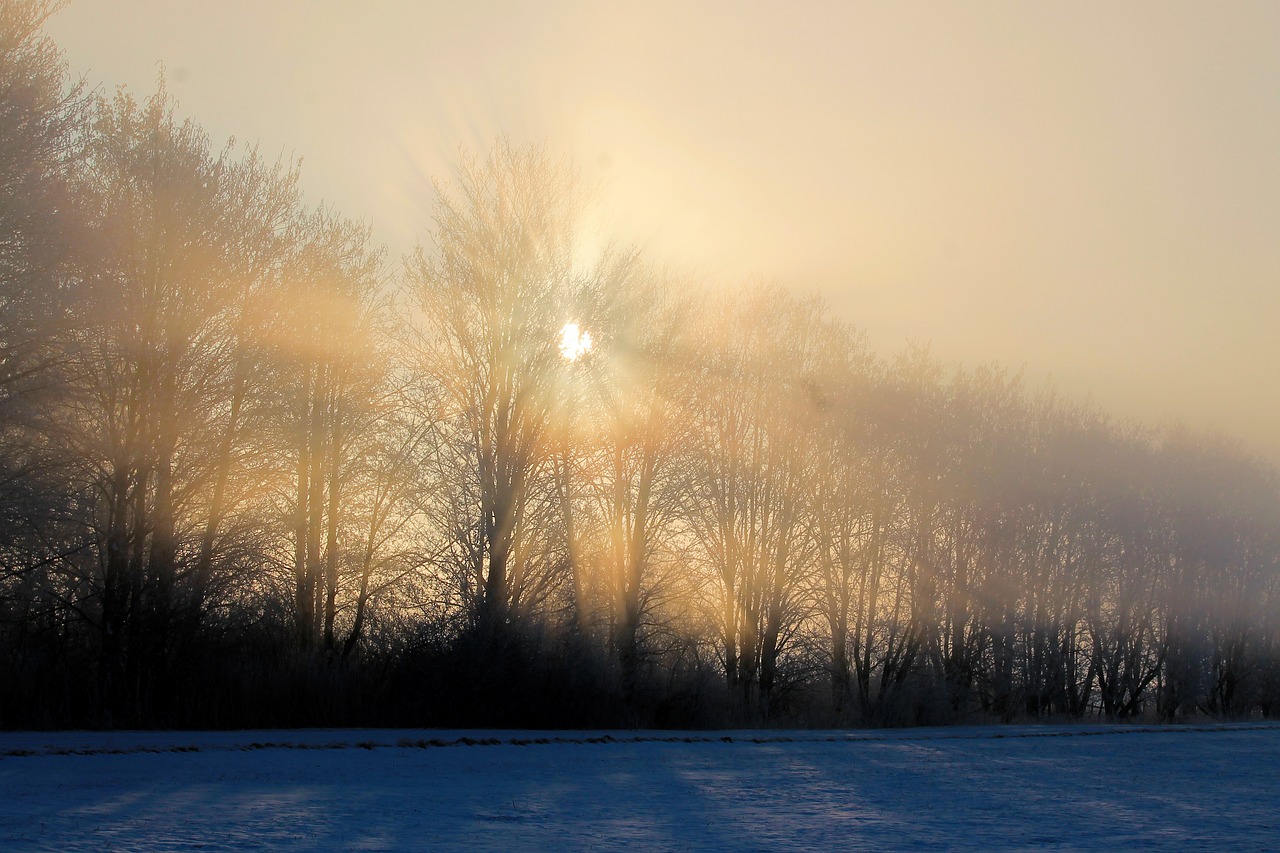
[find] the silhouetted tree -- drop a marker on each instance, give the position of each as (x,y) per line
(502,279)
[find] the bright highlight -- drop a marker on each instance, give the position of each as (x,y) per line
(574,342)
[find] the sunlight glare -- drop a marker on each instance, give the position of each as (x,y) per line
(574,342)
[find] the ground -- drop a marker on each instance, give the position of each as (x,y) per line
(1177,788)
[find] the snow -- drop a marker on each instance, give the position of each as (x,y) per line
(1185,788)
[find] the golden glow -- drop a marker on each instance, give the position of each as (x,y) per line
(933,206)
(574,342)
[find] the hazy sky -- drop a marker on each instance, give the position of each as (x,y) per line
(1089,190)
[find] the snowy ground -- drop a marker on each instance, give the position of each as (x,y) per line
(1210,788)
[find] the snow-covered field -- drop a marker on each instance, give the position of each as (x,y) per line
(1210,788)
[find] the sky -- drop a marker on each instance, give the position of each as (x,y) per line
(1089,192)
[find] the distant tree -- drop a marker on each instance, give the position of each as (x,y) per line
(756,417)
(184,238)
(503,276)
(1124,551)
(1052,480)
(1219,506)
(622,464)
(41,116)
(845,516)
(351,441)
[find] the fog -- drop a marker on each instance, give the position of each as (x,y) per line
(685,372)
(1087,191)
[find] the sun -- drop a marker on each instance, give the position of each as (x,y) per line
(574,343)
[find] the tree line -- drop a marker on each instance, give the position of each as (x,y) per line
(256,473)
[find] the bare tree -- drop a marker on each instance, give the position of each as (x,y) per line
(155,363)
(502,279)
(41,114)
(756,419)
(328,353)
(622,458)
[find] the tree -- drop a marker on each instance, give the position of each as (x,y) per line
(756,416)
(40,116)
(349,437)
(502,279)
(184,238)
(623,435)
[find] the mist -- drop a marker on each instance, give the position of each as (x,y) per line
(1085,192)
(605,416)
